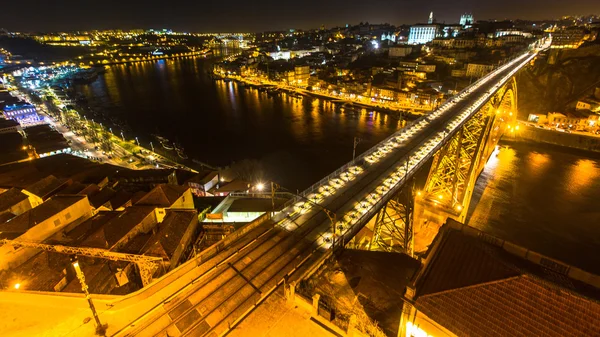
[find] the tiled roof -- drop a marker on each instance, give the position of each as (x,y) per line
(163,195)
(34,216)
(518,306)
(171,230)
(203,177)
(113,230)
(474,288)
(45,187)
(10,198)
(88,227)
(102,197)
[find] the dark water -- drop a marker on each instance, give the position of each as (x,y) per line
(298,141)
(544,198)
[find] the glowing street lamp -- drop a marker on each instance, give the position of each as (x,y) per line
(100,329)
(260,186)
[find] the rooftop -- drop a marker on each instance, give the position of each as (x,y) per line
(115,228)
(255,204)
(163,195)
(203,177)
(61,166)
(488,287)
(34,216)
(170,232)
(10,198)
(236,185)
(45,187)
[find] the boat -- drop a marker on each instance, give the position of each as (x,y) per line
(181,154)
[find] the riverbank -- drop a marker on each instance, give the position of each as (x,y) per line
(403,114)
(530,134)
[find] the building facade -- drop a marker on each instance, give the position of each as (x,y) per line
(421,34)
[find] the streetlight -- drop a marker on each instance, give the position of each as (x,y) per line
(137,141)
(356,141)
(122,137)
(260,186)
(330,214)
(100,329)
(152,146)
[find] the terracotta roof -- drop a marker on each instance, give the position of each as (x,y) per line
(34,216)
(475,288)
(113,230)
(203,177)
(102,197)
(86,228)
(4,217)
(10,198)
(163,195)
(171,230)
(121,199)
(45,187)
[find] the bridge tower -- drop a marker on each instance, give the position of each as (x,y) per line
(458,164)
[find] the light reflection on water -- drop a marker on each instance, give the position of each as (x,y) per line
(545,199)
(299,140)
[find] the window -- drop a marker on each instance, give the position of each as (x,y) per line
(56,222)
(68,216)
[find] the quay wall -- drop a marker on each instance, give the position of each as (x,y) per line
(530,134)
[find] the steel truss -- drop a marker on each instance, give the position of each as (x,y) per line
(147,265)
(456,166)
(393,228)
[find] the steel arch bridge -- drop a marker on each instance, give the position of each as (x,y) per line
(451,179)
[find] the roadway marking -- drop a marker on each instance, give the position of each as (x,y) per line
(245,278)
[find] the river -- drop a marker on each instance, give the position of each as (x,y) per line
(296,140)
(543,198)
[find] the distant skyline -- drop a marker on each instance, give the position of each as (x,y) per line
(263,15)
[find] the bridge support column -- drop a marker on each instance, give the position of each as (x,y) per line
(393,226)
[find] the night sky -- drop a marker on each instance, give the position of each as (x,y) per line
(261,15)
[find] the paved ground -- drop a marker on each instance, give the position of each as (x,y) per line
(275,318)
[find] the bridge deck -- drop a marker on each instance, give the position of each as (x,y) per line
(252,267)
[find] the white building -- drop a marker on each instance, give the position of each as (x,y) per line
(421,34)
(466,20)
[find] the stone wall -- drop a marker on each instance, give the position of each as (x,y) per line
(570,140)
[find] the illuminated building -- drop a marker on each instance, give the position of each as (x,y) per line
(478,70)
(421,34)
(466,20)
(21,112)
(571,37)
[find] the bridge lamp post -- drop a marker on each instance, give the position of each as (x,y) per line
(330,214)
